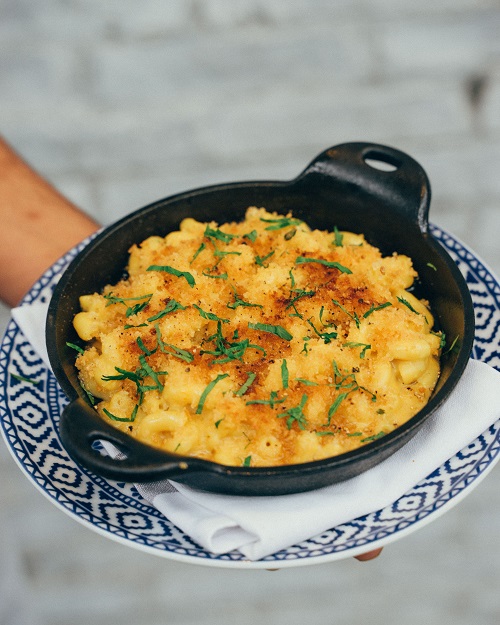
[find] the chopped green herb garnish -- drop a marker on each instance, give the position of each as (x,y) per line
(259,260)
(290,234)
(305,347)
(131,310)
(207,390)
(182,354)
(365,347)
(220,254)
(143,348)
(152,374)
(442,338)
(248,383)
(240,302)
(306,382)
(353,316)
(174,272)
(217,423)
(281,222)
(432,266)
(374,308)
(251,235)
(326,336)
(339,237)
(407,304)
(216,233)
(335,406)
(300,294)
(272,401)
(130,419)
(247,461)
(75,347)
(127,326)
(373,438)
(90,397)
(272,329)
(284,373)
(209,315)
(327,433)
(356,434)
(198,251)
(172,306)
(22,378)
(300,260)
(454,346)
(220,276)
(228,350)
(296,414)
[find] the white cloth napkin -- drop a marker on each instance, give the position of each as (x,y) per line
(260,526)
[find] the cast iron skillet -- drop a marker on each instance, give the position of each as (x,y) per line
(339,188)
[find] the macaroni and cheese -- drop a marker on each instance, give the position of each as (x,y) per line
(258,343)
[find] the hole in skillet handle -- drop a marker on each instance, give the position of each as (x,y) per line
(381,161)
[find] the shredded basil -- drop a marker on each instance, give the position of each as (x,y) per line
(374,308)
(174,272)
(408,305)
(227,350)
(300,260)
(248,383)
(143,348)
(75,347)
(272,401)
(198,251)
(306,382)
(296,415)
(335,406)
(240,302)
(172,306)
(326,336)
(365,347)
(131,310)
(272,329)
(21,378)
(281,222)
(216,233)
(300,294)
(210,316)
(251,235)
(130,419)
(284,373)
(207,390)
(373,438)
(259,260)
(353,316)
(216,276)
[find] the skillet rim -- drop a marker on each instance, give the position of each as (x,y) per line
(365,453)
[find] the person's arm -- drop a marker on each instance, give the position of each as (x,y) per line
(37,225)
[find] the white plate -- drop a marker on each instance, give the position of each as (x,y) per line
(29,415)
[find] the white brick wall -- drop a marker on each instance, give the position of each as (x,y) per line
(122,102)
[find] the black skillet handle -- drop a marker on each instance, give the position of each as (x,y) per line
(383,172)
(80,427)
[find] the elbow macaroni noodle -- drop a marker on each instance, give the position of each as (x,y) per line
(258,343)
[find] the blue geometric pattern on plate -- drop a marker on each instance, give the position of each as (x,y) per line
(29,415)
